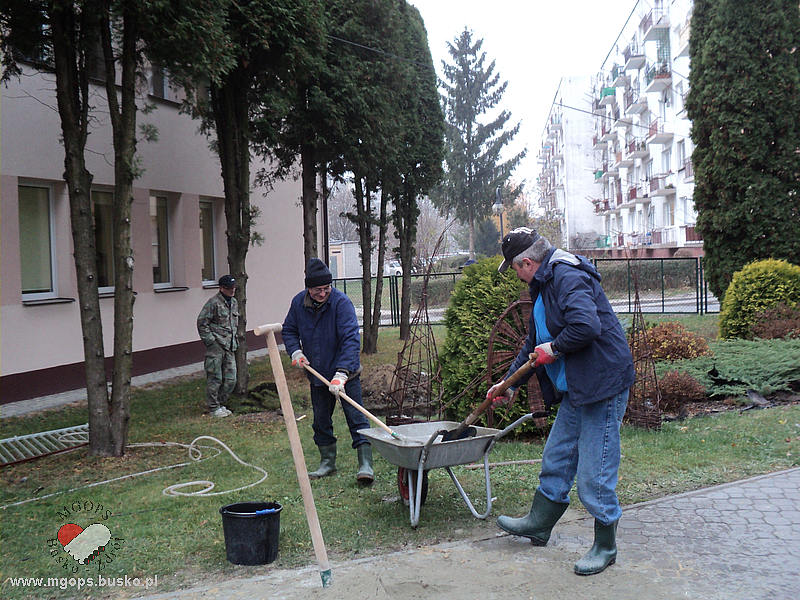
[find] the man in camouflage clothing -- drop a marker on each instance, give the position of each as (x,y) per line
(217,324)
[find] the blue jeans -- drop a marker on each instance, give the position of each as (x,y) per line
(584,441)
(323,403)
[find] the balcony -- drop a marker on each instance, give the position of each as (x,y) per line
(598,143)
(693,237)
(657,77)
(618,197)
(606,133)
(688,170)
(555,123)
(662,185)
(634,57)
(657,134)
(618,77)
(638,149)
(635,103)
(654,24)
(683,37)
(626,159)
(608,95)
(633,193)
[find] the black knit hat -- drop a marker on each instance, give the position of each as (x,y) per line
(317,273)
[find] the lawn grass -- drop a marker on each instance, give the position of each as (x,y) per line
(180,539)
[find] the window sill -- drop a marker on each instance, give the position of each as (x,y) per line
(211,286)
(47,301)
(164,290)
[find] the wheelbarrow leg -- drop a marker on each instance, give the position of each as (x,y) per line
(464,495)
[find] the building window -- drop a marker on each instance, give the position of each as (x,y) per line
(669,213)
(681,145)
(666,161)
(158,82)
(103,237)
(207,234)
(36,254)
(159,239)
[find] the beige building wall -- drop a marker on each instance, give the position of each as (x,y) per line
(179,166)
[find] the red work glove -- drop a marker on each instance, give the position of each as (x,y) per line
(543,354)
(500,399)
(299,359)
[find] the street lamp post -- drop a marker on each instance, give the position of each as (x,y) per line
(497,208)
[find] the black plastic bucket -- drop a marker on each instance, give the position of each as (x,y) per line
(251,532)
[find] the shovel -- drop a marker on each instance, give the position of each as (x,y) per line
(356,405)
(464,430)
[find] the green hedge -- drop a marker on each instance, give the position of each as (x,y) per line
(756,287)
(480,297)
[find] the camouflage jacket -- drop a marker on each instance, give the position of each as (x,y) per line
(217,323)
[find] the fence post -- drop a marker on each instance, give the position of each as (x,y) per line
(663,289)
(395,300)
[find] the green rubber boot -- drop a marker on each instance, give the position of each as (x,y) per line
(603,552)
(538,524)
(365,474)
(327,463)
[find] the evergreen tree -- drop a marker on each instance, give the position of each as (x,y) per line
(473,168)
(744,103)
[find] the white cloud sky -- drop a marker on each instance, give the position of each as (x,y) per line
(534,44)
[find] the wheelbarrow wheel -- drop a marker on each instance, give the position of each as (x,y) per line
(402,484)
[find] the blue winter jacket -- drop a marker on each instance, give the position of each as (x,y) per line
(585,331)
(328,336)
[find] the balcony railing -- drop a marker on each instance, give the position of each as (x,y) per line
(692,235)
(632,193)
(688,169)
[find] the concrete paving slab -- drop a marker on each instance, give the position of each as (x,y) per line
(677,547)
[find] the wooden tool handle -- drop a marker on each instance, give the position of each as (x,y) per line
(514,378)
(355,404)
(297,455)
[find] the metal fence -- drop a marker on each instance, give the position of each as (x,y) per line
(666,285)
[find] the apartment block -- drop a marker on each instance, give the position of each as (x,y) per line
(642,175)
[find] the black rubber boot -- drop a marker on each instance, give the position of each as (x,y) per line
(603,552)
(365,475)
(327,463)
(538,524)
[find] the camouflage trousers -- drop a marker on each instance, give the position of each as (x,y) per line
(220,368)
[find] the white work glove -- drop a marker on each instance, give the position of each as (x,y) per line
(543,354)
(500,399)
(337,383)
(299,359)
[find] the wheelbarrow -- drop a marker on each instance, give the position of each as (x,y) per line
(419,448)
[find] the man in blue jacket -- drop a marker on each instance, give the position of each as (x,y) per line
(321,330)
(583,361)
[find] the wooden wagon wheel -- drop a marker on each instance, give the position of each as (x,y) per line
(505,341)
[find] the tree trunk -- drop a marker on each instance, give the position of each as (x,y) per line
(229,104)
(406,230)
(123,122)
(376,312)
(364,226)
(72,93)
(471,236)
(309,168)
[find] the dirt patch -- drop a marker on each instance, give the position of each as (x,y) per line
(716,406)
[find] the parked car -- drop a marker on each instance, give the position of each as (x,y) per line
(392,268)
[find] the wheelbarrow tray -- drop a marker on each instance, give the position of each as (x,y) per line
(406,451)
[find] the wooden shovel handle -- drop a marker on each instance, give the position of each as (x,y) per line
(515,376)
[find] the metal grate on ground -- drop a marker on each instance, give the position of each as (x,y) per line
(21,448)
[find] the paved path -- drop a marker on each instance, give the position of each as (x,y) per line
(738,541)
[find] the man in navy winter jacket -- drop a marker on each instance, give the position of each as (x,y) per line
(583,361)
(321,330)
